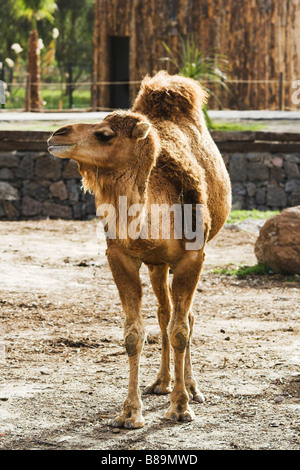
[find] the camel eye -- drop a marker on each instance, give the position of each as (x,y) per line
(104,136)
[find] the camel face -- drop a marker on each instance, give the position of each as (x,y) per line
(102,145)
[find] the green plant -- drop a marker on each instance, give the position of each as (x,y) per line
(34,11)
(241,215)
(193,63)
(244,271)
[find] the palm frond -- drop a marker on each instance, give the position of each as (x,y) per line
(38,9)
(201,66)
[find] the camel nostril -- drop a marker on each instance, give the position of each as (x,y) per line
(62,131)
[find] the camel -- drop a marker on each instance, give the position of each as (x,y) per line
(159,151)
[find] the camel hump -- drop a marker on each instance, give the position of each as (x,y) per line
(165,95)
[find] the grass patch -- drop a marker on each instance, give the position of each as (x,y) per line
(236,126)
(53,98)
(244,271)
(241,215)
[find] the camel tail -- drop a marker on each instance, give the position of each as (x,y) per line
(165,95)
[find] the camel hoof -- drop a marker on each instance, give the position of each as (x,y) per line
(173,414)
(157,389)
(128,423)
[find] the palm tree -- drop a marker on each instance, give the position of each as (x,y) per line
(193,63)
(34,11)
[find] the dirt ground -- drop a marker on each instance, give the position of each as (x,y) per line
(63,367)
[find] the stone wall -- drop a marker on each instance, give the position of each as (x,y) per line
(35,185)
(264,169)
(264,181)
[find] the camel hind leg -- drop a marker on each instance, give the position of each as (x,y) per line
(159,277)
(190,382)
(185,279)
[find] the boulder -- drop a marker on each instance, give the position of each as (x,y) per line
(278,243)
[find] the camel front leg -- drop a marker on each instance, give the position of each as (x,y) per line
(185,279)
(159,276)
(125,271)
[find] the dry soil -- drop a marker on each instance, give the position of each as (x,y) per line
(63,367)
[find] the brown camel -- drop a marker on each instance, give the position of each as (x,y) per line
(159,152)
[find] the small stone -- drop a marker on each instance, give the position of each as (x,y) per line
(8,192)
(7,160)
(276,196)
(30,207)
(238,167)
(278,162)
(6,174)
(57,211)
(48,167)
(25,169)
(251,189)
(116,430)
(59,190)
(71,170)
(292,170)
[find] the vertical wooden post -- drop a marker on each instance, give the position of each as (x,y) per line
(28,94)
(94,93)
(280,90)
(3,79)
(70,86)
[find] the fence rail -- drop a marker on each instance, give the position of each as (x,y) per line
(83,95)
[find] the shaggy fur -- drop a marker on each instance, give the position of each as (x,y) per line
(159,152)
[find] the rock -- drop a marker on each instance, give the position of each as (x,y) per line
(260,195)
(30,207)
(278,162)
(25,169)
(71,170)
(11,211)
(57,211)
(278,243)
(73,188)
(292,170)
(276,196)
(251,189)
(36,190)
(6,174)
(48,167)
(258,172)
(8,160)
(239,189)
(8,192)
(292,185)
(238,167)
(59,190)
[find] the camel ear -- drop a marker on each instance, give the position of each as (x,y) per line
(141,130)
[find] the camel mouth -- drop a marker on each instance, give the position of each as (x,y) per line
(60,150)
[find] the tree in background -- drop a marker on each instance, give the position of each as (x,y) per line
(74,50)
(34,11)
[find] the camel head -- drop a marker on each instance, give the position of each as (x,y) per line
(110,144)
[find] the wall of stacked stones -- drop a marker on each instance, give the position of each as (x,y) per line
(263,180)
(34,185)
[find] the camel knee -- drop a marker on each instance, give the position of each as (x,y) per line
(134,339)
(179,336)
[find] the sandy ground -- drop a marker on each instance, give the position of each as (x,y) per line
(63,367)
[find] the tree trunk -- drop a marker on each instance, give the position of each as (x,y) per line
(33,95)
